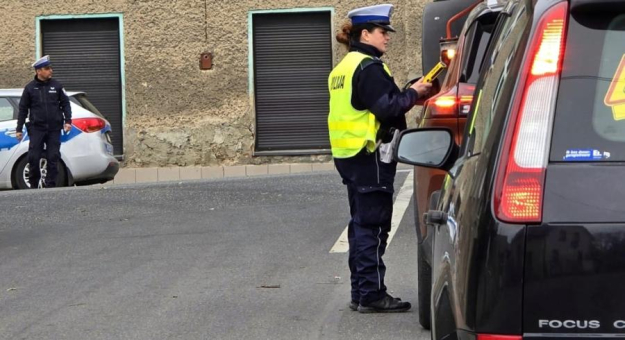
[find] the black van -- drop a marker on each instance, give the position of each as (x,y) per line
(529,226)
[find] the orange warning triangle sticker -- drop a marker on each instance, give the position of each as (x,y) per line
(616,93)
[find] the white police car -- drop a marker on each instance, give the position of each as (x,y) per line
(86,151)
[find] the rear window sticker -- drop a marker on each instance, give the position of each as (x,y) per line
(586,155)
(615,98)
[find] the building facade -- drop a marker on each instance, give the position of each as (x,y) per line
(199,82)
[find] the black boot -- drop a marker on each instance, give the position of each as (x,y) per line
(387,304)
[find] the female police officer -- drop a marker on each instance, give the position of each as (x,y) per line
(365,105)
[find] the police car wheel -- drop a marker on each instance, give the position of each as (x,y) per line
(21,174)
(18,174)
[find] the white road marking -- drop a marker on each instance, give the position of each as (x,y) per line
(342,244)
(401,204)
(399,209)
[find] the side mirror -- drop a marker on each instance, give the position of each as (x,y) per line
(428,147)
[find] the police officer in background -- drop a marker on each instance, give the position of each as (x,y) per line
(47,106)
(365,107)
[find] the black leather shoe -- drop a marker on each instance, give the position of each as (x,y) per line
(353,305)
(387,304)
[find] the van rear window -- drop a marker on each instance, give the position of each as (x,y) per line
(590,113)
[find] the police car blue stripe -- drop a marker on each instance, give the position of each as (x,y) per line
(71,135)
(8,140)
(106,129)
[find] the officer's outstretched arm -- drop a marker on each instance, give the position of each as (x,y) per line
(379,93)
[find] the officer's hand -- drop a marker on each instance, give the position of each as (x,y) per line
(67,128)
(19,136)
(423,89)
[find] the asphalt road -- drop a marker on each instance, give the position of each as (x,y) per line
(243,258)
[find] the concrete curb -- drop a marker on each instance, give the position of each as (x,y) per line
(170,174)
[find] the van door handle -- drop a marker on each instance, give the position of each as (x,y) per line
(436,217)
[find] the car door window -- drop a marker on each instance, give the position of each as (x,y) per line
(451,78)
(476,43)
(496,74)
(455,68)
(7,110)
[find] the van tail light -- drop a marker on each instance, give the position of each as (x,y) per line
(448,50)
(444,105)
(447,56)
(465,98)
(453,103)
(520,182)
(89,124)
(498,337)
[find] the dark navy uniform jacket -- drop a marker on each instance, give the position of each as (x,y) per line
(375,90)
(48,104)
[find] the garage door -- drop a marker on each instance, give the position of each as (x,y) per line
(292,60)
(85,55)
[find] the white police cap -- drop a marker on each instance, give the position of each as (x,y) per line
(42,62)
(379,15)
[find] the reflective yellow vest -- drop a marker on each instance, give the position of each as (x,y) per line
(350,129)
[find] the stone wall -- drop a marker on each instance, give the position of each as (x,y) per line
(178,115)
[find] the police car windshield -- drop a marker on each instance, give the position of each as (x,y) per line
(590,111)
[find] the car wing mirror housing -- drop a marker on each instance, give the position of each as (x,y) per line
(427,147)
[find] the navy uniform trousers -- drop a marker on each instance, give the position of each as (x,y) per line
(52,141)
(370,190)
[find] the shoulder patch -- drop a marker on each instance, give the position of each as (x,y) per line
(368,62)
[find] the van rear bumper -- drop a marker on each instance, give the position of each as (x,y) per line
(461,334)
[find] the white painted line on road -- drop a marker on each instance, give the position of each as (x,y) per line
(401,204)
(342,244)
(399,209)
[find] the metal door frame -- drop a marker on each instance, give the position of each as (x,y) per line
(120,20)
(250,59)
